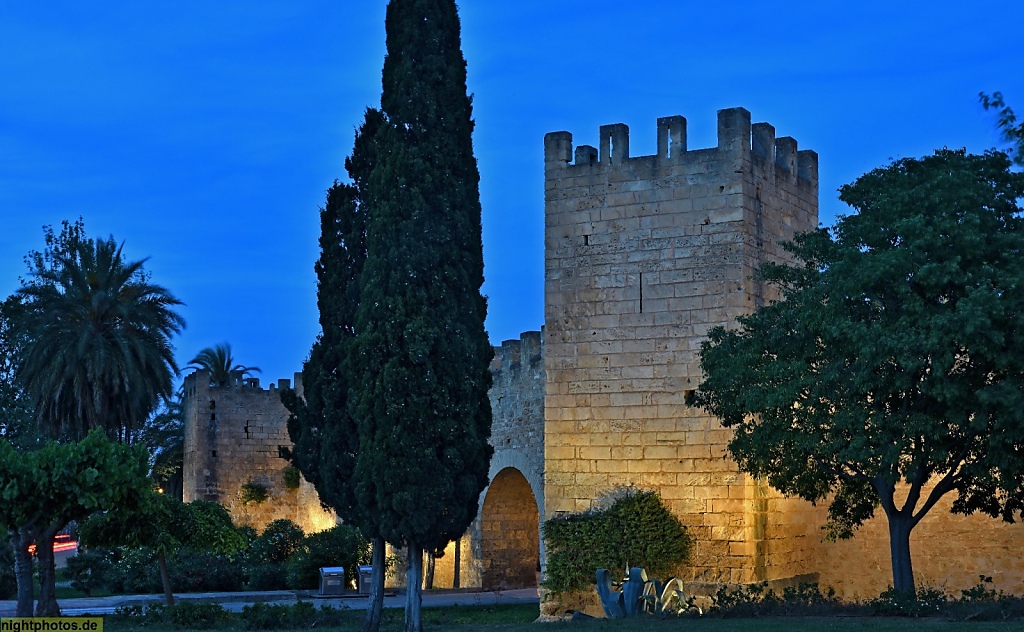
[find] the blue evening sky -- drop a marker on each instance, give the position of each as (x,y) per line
(204,134)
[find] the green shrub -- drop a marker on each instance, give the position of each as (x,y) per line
(300,615)
(278,542)
(292,478)
(253,492)
(193,571)
(197,615)
(87,571)
(134,571)
(269,576)
(339,546)
(893,603)
(635,529)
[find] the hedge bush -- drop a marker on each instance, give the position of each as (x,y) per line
(634,529)
(339,546)
(278,542)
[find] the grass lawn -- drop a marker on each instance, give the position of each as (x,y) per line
(519,618)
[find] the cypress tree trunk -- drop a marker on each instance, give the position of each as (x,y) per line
(47,606)
(414,592)
(899,549)
(21,540)
(375,609)
(165,578)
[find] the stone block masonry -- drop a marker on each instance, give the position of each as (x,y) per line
(643,256)
(234,433)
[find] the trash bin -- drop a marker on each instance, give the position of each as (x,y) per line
(365,579)
(332,580)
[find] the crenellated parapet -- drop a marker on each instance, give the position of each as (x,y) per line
(736,137)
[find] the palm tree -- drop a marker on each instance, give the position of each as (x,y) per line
(219,363)
(98,353)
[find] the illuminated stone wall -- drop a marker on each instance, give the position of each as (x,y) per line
(644,255)
(233,435)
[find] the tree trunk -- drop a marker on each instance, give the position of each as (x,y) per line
(375,609)
(899,548)
(457,575)
(21,539)
(428,580)
(47,606)
(165,578)
(413,584)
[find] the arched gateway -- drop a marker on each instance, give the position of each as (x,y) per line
(509,538)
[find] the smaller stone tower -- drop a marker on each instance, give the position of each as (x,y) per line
(234,434)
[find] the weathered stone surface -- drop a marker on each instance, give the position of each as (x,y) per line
(644,256)
(233,434)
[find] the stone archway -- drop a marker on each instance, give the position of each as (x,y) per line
(510,533)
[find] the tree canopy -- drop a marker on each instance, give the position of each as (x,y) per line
(895,356)
(43,490)
(1012,129)
(96,337)
(220,364)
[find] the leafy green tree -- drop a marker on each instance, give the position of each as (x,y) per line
(161,523)
(96,333)
(896,356)
(420,355)
(220,364)
(1012,129)
(43,490)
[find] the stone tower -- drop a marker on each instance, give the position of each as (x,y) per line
(234,433)
(644,255)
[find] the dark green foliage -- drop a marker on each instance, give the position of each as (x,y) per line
(636,529)
(278,542)
(341,545)
(202,571)
(925,602)
(268,576)
(164,437)
(1011,128)
(292,478)
(218,362)
(194,615)
(16,410)
(755,600)
(135,571)
(87,571)
(97,331)
(302,615)
(325,436)
(8,582)
(896,356)
(253,492)
(420,355)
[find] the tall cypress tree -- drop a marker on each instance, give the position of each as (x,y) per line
(324,433)
(420,354)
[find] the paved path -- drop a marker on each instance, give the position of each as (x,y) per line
(237,600)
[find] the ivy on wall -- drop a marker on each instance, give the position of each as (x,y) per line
(635,529)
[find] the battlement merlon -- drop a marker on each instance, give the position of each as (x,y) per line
(736,136)
(514,352)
